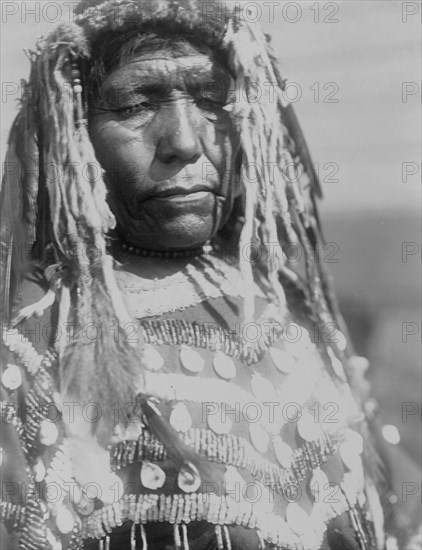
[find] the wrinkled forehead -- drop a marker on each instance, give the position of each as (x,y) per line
(155,69)
(155,58)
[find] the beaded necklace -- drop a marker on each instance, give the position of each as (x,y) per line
(167,254)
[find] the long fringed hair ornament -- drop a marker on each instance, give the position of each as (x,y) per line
(56,200)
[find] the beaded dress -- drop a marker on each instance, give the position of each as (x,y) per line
(265,405)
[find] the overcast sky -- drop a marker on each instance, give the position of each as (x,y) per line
(347,63)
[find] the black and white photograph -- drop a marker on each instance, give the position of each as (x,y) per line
(210,275)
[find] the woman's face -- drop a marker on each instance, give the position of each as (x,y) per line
(161,133)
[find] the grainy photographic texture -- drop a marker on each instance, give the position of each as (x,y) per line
(210,324)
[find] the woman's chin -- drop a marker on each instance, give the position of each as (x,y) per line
(183,234)
(171,224)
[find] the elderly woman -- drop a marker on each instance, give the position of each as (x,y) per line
(169,380)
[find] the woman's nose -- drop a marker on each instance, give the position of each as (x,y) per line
(179,128)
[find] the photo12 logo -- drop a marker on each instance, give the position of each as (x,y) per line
(272,11)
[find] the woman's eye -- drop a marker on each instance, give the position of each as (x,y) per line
(137,108)
(214,111)
(208,104)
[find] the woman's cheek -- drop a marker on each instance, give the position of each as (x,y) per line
(125,156)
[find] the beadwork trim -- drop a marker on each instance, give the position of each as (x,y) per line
(9,411)
(37,405)
(178,332)
(12,514)
(60,471)
(215,509)
(229,450)
(23,349)
(36,411)
(34,529)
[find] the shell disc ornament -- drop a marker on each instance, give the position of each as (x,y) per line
(319,485)
(189,480)
(283,452)
(308,428)
(152,476)
(151,358)
(64,520)
(180,419)
(282,360)
(48,433)
(219,423)
(11,377)
(191,360)
(223,365)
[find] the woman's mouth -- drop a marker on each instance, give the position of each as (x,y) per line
(182,191)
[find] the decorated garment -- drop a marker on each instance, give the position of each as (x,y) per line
(283,455)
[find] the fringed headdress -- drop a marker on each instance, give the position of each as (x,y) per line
(55,196)
(279,179)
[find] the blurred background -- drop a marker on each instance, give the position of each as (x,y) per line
(354,77)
